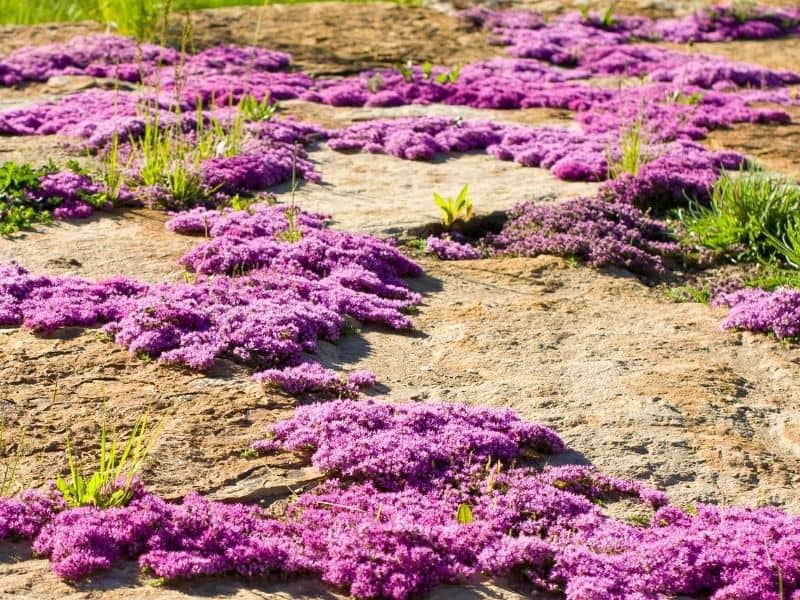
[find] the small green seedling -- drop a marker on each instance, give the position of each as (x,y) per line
(639,519)
(607,19)
(456,208)
(406,70)
(249,453)
(688,293)
(449,77)
(241,204)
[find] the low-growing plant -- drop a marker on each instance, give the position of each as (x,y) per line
(449,77)
(406,70)
(20,208)
(17,218)
(113,483)
(607,18)
(171,158)
(751,216)
(258,110)
(460,207)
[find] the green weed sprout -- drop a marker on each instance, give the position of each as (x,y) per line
(450,77)
(292,233)
(454,208)
(464,514)
(17,211)
(678,97)
(113,483)
(258,110)
(607,19)
(406,70)
(631,152)
(427,69)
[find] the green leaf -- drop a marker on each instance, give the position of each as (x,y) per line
(464,514)
(427,69)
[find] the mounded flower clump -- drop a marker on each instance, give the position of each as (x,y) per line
(776,312)
(595,230)
(605,48)
(422,494)
(257,297)
(612,228)
(118,57)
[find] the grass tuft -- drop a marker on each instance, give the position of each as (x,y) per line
(113,483)
(752,216)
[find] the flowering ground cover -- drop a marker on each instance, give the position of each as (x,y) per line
(413,495)
(426,493)
(257,296)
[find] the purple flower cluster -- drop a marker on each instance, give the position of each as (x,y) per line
(664,117)
(592,229)
(118,57)
(313,378)
(46,303)
(197,537)
(447,248)
(397,445)
(724,23)
(675,170)
(262,164)
(753,309)
(593,48)
(73,189)
(568,155)
(23,517)
(107,56)
(388,528)
(287,296)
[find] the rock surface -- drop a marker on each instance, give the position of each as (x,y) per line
(638,385)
